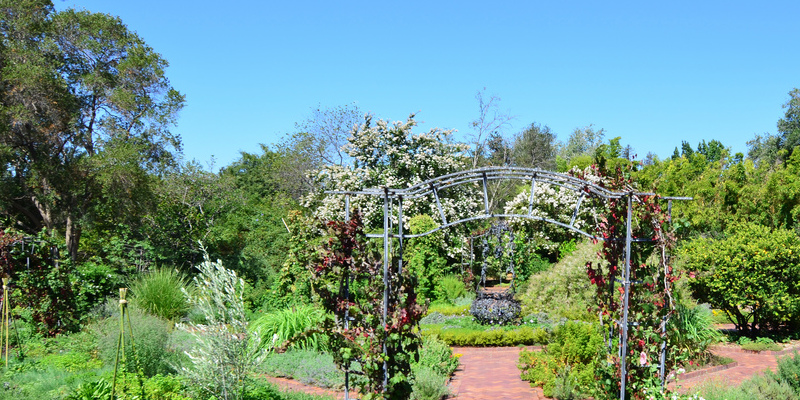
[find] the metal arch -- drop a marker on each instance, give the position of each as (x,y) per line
(480,175)
(485,216)
(534,176)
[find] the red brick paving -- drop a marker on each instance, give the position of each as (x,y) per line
(490,373)
(749,364)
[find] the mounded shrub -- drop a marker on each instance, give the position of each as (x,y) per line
(567,362)
(767,387)
(752,273)
(428,384)
(564,290)
(436,355)
(789,370)
(523,335)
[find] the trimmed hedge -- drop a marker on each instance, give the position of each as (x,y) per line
(523,335)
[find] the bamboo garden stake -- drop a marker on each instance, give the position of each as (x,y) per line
(6,312)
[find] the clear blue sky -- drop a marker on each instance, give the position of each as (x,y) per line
(654,73)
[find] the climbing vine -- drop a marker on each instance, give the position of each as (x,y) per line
(650,303)
(349,285)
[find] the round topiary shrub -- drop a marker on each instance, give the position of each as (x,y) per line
(495,308)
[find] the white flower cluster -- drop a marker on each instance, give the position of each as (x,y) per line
(555,203)
(392,156)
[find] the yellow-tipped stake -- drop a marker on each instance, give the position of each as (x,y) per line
(6,312)
(123,304)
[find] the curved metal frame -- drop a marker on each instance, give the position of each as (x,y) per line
(482,176)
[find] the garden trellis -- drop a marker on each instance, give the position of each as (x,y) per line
(498,231)
(586,190)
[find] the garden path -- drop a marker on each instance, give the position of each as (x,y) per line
(490,373)
(747,365)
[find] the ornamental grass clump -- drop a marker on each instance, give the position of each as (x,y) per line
(296,327)
(691,330)
(159,293)
(224,356)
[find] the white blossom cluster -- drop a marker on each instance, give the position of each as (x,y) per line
(390,155)
(556,203)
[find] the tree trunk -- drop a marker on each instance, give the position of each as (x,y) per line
(73,237)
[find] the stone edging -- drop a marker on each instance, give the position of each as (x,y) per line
(704,371)
(737,349)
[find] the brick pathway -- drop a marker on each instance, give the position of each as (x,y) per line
(490,373)
(749,364)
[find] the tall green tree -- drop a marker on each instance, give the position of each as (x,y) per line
(535,147)
(580,148)
(85,115)
(789,125)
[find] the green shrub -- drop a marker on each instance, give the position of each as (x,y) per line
(71,361)
(565,385)
(436,355)
(572,353)
(131,387)
(96,282)
(428,384)
(563,290)
(767,387)
(159,293)
(38,384)
(288,328)
(449,309)
(789,370)
(426,255)
(527,261)
(752,268)
(567,248)
(523,335)
(150,338)
(755,346)
(450,288)
(97,390)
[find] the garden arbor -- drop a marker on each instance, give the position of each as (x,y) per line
(583,190)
